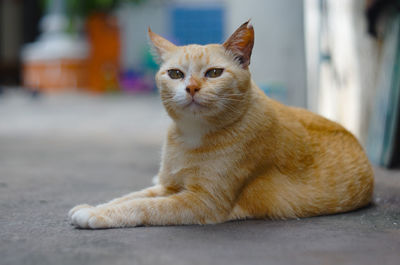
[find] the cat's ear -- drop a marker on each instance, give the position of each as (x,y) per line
(161,46)
(240,43)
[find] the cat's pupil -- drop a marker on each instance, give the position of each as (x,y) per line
(215,72)
(175,74)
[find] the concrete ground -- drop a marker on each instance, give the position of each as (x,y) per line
(59,151)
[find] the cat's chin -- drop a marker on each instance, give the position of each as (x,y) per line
(194,106)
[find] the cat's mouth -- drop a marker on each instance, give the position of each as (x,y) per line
(194,104)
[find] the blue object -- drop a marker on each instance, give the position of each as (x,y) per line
(203,24)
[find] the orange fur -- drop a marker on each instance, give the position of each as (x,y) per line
(232,153)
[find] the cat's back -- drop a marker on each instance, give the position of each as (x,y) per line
(327,134)
(330,139)
(315,123)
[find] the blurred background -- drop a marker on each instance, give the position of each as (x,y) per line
(71,67)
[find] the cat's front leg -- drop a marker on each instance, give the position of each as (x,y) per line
(154,191)
(182,208)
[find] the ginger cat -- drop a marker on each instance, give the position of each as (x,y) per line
(233,153)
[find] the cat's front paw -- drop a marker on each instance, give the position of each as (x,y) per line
(77,208)
(92,218)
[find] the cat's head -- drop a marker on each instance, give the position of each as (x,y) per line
(209,82)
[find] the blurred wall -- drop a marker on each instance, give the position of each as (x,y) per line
(134,20)
(18,25)
(10,40)
(343,61)
(278,57)
(11,25)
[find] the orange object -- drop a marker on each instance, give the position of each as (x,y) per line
(103,61)
(55,75)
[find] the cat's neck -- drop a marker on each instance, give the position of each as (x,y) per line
(192,131)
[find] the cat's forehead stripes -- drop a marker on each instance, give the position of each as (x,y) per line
(193,53)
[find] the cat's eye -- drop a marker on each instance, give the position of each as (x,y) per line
(214,72)
(175,74)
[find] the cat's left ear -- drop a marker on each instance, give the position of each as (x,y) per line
(161,46)
(240,43)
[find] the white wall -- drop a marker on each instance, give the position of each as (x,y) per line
(343,87)
(134,20)
(278,55)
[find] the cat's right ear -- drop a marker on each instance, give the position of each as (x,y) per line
(160,45)
(240,43)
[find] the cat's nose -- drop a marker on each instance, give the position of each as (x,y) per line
(192,89)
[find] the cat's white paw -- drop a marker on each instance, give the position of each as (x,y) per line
(76,208)
(90,218)
(80,218)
